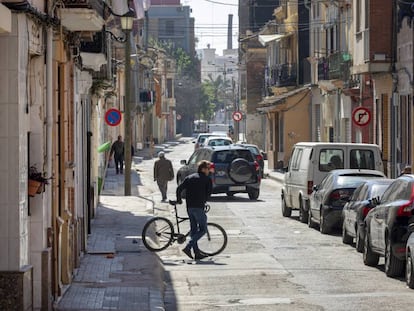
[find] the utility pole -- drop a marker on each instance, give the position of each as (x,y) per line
(127,23)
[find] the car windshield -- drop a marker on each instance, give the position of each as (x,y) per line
(227,156)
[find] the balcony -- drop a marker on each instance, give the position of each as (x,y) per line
(83,15)
(339,66)
(283,75)
(93,52)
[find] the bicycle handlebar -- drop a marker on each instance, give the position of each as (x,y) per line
(206,206)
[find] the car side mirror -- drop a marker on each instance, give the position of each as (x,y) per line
(183,162)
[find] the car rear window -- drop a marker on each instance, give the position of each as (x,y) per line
(227,156)
(331,159)
(363,159)
(353,180)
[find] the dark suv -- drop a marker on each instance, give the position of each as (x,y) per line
(234,169)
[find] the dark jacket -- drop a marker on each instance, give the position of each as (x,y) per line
(117,148)
(163,169)
(198,188)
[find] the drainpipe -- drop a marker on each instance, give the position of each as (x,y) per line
(49,110)
(394,103)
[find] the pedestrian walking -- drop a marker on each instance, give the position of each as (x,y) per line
(163,173)
(117,150)
(198,187)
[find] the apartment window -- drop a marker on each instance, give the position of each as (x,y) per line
(366,14)
(169,28)
(358,15)
(169,88)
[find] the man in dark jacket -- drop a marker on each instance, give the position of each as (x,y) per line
(117,150)
(163,173)
(198,188)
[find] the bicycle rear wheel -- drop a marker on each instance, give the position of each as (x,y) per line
(214,241)
(157,234)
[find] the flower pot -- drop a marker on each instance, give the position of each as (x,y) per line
(33,187)
(41,188)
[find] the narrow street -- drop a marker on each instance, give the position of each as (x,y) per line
(272,262)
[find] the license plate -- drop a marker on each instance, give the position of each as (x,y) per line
(237,188)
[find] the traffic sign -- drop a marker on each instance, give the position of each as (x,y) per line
(113,117)
(361,116)
(237,116)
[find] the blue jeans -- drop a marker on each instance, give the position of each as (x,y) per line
(198,225)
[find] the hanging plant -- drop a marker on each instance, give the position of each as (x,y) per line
(37,181)
(100,87)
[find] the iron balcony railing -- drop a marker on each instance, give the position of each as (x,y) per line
(339,66)
(281,75)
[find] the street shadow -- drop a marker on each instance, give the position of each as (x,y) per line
(234,198)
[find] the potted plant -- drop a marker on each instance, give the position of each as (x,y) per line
(36,182)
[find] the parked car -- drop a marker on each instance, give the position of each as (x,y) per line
(258,155)
(330,196)
(386,226)
(199,141)
(310,162)
(357,208)
(213,141)
(409,266)
(233,170)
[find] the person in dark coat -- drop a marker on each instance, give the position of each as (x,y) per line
(117,150)
(198,187)
(163,173)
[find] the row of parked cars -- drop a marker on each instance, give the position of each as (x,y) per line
(235,168)
(343,186)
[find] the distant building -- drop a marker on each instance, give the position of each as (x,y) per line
(169,21)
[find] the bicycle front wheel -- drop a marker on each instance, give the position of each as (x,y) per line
(214,241)
(157,234)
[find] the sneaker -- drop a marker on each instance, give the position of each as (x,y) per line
(200,255)
(187,251)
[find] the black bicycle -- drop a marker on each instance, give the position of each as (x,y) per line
(159,233)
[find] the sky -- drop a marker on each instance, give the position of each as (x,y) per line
(211,20)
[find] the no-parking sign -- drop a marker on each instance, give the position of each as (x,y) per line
(113,117)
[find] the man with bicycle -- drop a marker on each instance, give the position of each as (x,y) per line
(198,189)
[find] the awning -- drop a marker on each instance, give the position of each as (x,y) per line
(270,103)
(264,39)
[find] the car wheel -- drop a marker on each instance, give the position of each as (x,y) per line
(323,226)
(359,242)
(253,194)
(286,211)
(370,258)
(303,215)
(346,239)
(409,271)
(240,170)
(311,224)
(393,266)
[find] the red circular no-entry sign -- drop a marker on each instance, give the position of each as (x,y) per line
(113,117)
(361,116)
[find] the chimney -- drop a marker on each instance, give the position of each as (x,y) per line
(229,33)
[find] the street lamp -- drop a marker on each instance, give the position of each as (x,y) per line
(127,21)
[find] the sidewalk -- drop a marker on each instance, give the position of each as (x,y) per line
(117,272)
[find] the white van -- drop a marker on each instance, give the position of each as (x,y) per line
(309,164)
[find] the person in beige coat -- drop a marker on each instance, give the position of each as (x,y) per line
(163,173)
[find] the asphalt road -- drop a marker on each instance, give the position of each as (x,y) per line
(272,262)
